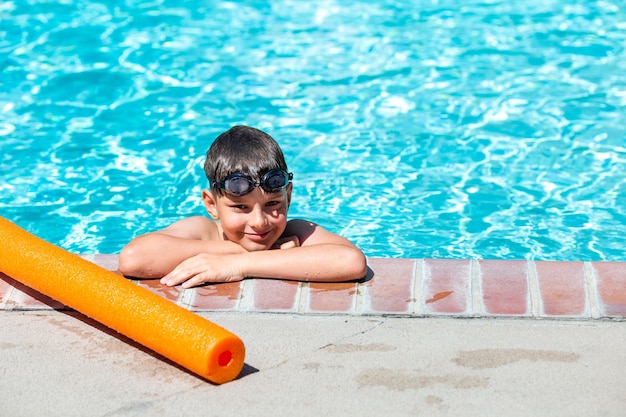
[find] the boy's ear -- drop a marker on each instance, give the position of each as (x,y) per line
(289,188)
(210,203)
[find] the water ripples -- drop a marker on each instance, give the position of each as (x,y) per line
(430,129)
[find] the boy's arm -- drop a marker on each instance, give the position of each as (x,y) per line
(153,255)
(321,256)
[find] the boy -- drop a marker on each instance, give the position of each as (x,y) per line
(250,193)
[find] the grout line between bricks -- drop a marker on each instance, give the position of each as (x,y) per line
(186,298)
(359,297)
(476,291)
(534,292)
(592,290)
(303,294)
(246,296)
(8,304)
(417,290)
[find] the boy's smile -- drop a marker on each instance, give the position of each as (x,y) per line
(258,237)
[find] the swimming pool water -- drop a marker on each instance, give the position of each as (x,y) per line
(475,129)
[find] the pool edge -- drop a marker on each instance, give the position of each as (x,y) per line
(401,287)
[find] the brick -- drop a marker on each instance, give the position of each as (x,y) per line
(447,286)
(275,295)
(332,297)
(154,285)
(562,289)
(390,290)
(611,285)
(223,296)
(504,286)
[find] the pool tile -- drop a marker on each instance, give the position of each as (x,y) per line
(332,297)
(223,296)
(275,295)
(611,285)
(446,286)
(562,289)
(504,286)
(154,285)
(390,290)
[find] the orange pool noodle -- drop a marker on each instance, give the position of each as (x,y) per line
(178,334)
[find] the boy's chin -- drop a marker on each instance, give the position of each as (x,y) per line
(255,246)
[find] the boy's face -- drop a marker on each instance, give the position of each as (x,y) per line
(254,221)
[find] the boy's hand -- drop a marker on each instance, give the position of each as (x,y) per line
(204,268)
(286,242)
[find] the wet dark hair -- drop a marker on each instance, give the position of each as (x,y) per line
(243,149)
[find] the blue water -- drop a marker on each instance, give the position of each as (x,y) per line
(474,129)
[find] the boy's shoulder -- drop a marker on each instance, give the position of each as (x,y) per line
(195,227)
(300,224)
(301,228)
(310,233)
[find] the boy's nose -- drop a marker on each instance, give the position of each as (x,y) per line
(258,218)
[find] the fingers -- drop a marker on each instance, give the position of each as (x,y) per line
(187,273)
(173,278)
(194,281)
(287,242)
(200,269)
(187,280)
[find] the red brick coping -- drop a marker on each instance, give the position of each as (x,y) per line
(401,287)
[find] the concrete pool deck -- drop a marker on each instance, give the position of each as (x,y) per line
(416,337)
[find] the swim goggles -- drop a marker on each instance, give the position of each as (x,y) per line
(239,184)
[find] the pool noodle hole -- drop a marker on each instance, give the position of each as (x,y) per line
(225,358)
